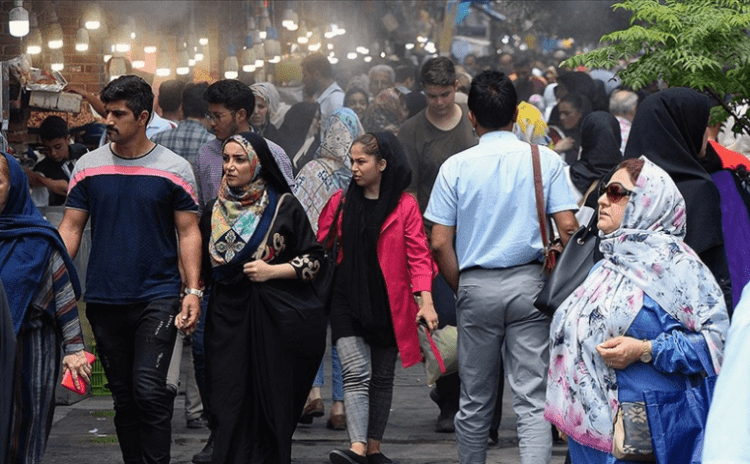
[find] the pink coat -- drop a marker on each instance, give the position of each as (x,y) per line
(407,266)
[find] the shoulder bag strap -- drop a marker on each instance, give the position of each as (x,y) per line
(539,192)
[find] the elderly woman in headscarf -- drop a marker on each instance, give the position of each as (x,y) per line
(269,111)
(643,318)
(670,130)
(315,184)
(42,288)
(265,329)
(384,263)
(387,112)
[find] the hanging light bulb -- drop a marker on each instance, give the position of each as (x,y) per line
(183,62)
(203,41)
(273,46)
(199,53)
(260,55)
(248,60)
(54,33)
(34,40)
(92,16)
(302,37)
(56,60)
(265,23)
(290,20)
(122,39)
(163,63)
(137,56)
(118,66)
(131,28)
(231,65)
(82,39)
(18,24)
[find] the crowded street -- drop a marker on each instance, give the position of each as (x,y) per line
(374,231)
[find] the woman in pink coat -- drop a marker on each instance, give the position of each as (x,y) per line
(384,262)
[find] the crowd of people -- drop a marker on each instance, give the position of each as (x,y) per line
(212,213)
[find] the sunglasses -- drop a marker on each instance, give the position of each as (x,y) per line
(615,191)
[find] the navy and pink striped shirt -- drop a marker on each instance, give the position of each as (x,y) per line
(132,203)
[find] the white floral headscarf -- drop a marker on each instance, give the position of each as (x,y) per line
(645,255)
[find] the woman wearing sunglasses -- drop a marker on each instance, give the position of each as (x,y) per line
(639,320)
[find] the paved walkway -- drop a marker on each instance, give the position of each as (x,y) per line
(83,433)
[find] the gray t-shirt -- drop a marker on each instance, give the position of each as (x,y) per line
(427,148)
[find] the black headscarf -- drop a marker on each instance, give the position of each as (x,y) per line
(269,169)
(294,131)
(668,129)
(600,149)
(396,178)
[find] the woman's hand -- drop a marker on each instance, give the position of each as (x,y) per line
(427,312)
(564,144)
(78,366)
(261,271)
(620,352)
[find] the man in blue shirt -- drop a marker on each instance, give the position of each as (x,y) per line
(484,197)
(137,195)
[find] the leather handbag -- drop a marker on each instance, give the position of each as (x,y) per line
(323,282)
(552,246)
(573,265)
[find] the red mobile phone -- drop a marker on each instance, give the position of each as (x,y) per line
(67,380)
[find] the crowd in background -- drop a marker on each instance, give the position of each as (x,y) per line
(379,157)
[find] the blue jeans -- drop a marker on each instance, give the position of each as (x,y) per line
(135,344)
(337,384)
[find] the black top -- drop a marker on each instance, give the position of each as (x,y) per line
(56,170)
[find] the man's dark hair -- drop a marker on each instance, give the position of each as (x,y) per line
(135,91)
(231,93)
(492,99)
(170,95)
(193,104)
(317,62)
(438,71)
(404,72)
(53,127)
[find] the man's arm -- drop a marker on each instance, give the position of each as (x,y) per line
(190,242)
(441,243)
(71,229)
(58,186)
(566,223)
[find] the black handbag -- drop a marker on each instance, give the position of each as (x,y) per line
(573,265)
(323,282)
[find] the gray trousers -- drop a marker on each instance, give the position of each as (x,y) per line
(496,317)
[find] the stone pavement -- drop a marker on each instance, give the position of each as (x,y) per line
(83,433)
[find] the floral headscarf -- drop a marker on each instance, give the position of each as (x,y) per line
(237,212)
(645,255)
(318,180)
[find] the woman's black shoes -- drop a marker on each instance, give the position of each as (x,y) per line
(346,457)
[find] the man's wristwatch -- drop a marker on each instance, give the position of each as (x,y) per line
(646,354)
(194,291)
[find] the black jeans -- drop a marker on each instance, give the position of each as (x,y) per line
(135,344)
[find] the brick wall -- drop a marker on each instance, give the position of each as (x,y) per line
(82,69)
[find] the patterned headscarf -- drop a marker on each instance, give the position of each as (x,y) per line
(237,211)
(329,172)
(645,255)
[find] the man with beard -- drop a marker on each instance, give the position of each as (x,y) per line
(137,194)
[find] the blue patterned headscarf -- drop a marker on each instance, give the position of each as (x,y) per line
(329,172)
(26,244)
(645,255)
